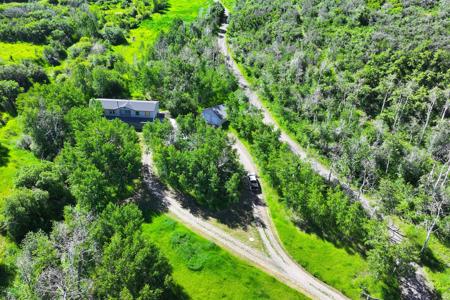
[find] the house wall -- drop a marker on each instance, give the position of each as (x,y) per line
(132,113)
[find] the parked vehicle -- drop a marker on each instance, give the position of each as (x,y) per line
(254,184)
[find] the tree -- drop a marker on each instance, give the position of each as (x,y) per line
(114,35)
(103,163)
(108,83)
(27,210)
(439,141)
(131,263)
(44,108)
(59,266)
(387,260)
(9,90)
(435,209)
(197,159)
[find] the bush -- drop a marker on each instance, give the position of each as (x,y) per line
(27,210)
(114,35)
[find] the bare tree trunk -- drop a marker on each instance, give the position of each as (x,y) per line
(444,110)
(429,232)
(427,120)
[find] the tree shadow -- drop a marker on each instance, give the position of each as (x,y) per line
(6,277)
(431,261)
(4,155)
(351,247)
(151,199)
(162,8)
(150,195)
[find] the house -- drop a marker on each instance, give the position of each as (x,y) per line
(216,115)
(135,112)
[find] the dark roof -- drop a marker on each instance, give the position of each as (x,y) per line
(218,110)
(131,104)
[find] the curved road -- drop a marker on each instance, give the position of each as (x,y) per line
(273,245)
(277,263)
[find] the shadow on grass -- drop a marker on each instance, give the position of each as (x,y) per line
(431,261)
(6,277)
(4,155)
(152,194)
(162,7)
(351,247)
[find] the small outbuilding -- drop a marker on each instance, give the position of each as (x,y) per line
(216,115)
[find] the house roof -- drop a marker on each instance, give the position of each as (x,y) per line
(130,104)
(218,111)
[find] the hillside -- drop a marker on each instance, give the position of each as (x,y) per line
(280,149)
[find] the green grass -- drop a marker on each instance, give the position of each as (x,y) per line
(207,272)
(12,158)
(143,37)
(15,52)
(229,4)
(437,261)
(339,268)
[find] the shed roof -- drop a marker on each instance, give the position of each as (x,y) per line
(219,110)
(130,104)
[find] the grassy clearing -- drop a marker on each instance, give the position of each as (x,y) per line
(11,160)
(11,157)
(15,52)
(143,37)
(338,267)
(207,272)
(437,259)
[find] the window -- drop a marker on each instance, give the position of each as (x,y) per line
(137,113)
(147,114)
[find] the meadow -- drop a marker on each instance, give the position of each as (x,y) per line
(205,271)
(142,38)
(15,52)
(12,158)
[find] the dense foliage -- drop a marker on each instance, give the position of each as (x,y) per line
(196,158)
(354,82)
(185,69)
(102,163)
(40,198)
(315,203)
(97,251)
(71,263)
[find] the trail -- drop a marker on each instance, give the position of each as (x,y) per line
(412,287)
(277,263)
(320,169)
(270,239)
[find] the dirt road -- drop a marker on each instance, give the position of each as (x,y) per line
(277,264)
(268,119)
(273,245)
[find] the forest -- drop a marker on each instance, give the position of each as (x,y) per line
(361,85)
(354,84)
(363,92)
(77,237)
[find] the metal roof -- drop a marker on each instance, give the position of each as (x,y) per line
(215,115)
(138,105)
